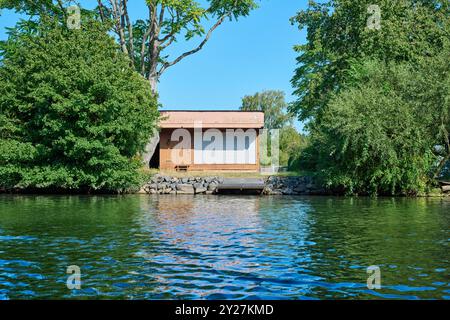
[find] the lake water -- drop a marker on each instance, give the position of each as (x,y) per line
(223,247)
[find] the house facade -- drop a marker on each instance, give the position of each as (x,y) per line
(210,140)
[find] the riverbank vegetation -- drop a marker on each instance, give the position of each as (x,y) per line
(376,100)
(74,114)
(78,106)
(373,88)
(276,116)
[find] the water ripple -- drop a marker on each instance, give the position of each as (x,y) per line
(142,247)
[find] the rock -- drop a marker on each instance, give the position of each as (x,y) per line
(287,191)
(185,189)
(301,188)
(167,190)
(162,186)
(143,191)
(274,185)
(276,193)
(212,186)
(200,190)
(198,185)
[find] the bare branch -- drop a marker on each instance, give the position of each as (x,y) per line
(144,43)
(198,48)
(130,30)
(168,43)
(63,10)
(117,14)
(100,9)
(161,15)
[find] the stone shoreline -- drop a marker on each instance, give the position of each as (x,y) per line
(274,185)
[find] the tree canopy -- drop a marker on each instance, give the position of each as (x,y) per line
(74,114)
(337,34)
(145,40)
(274,106)
(376,100)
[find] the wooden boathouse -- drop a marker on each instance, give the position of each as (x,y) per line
(209,141)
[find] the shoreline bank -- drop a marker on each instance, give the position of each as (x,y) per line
(272,185)
(165,184)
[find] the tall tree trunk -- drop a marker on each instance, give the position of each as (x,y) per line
(150,148)
(153,80)
(153,75)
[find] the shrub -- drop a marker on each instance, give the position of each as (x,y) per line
(373,138)
(74,114)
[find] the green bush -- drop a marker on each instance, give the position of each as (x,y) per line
(374,137)
(74,114)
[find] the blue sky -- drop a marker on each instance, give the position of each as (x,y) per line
(256,53)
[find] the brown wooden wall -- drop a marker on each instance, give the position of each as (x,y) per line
(166,146)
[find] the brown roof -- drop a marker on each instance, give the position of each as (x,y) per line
(213,119)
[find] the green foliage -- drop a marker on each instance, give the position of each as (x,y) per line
(430,91)
(274,106)
(172,20)
(291,145)
(337,34)
(73,113)
(376,136)
(31,7)
(376,101)
(187,14)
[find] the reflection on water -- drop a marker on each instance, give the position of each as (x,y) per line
(208,247)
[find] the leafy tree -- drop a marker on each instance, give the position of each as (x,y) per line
(274,106)
(74,114)
(33,7)
(377,136)
(146,41)
(430,91)
(291,145)
(375,101)
(337,34)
